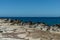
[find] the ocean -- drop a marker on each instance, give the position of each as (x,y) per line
(47,20)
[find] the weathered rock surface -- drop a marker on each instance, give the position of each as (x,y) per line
(28,32)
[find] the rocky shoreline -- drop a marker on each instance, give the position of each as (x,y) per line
(19,30)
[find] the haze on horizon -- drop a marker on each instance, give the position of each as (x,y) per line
(29,8)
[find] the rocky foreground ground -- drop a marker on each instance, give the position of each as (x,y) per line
(19,32)
(28,34)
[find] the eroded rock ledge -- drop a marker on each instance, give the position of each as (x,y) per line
(18,30)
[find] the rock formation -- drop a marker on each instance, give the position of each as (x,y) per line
(18,30)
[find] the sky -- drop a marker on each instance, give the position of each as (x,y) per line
(29,8)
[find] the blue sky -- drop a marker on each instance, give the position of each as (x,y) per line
(30,8)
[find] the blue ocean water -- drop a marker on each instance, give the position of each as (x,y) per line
(47,20)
